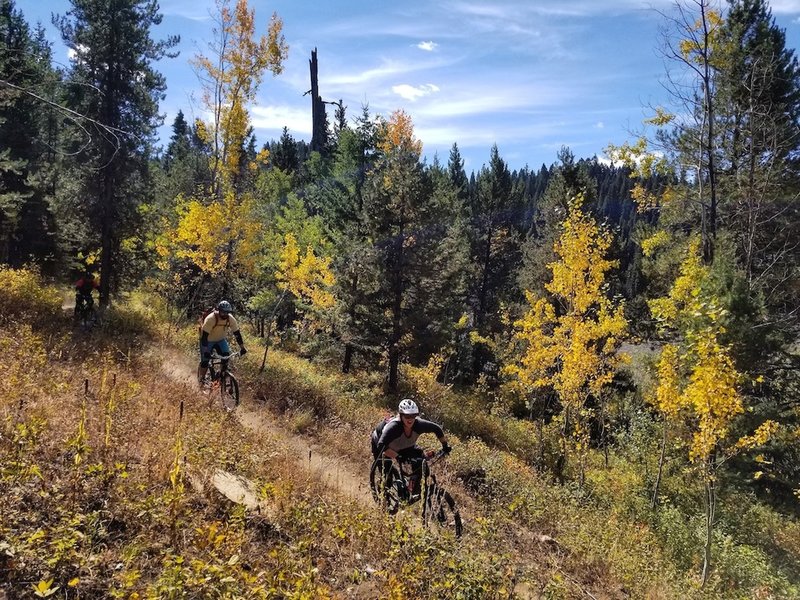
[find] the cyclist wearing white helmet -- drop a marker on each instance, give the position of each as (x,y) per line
(398,437)
(213,334)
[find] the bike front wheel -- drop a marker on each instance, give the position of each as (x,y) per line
(384,487)
(440,510)
(229,388)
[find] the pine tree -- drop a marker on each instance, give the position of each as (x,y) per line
(113,81)
(456,173)
(407,256)
(27,228)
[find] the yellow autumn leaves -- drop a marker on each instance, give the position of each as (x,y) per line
(698,384)
(569,341)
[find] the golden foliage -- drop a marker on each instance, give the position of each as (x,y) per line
(397,135)
(25,295)
(699,381)
(575,351)
(642,162)
(215,237)
(231,78)
(308,277)
(658,240)
(704,39)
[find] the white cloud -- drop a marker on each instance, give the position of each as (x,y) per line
(599,125)
(275,118)
(427,46)
(409,92)
(785,6)
(388,68)
(74,54)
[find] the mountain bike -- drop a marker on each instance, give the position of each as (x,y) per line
(85,314)
(217,378)
(410,481)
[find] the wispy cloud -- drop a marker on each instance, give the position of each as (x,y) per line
(275,118)
(409,92)
(194,10)
(427,46)
(786,7)
(388,68)
(520,9)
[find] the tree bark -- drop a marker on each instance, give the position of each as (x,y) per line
(317,107)
(662,454)
(348,357)
(711,505)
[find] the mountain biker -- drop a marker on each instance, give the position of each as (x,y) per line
(398,437)
(213,334)
(83,291)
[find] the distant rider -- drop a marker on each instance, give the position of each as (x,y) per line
(83,291)
(213,334)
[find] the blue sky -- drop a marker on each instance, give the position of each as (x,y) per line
(530,76)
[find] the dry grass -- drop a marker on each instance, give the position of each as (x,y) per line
(107,493)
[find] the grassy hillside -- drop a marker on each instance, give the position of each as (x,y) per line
(106,461)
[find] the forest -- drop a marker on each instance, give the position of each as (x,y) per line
(617,336)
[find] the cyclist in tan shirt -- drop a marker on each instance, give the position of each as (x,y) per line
(213,336)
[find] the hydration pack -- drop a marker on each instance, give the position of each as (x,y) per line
(203,316)
(376,434)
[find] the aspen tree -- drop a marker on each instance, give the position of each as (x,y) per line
(569,340)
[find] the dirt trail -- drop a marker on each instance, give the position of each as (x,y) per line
(338,473)
(335,472)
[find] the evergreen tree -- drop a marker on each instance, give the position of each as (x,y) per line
(759,109)
(113,81)
(494,244)
(27,137)
(407,256)
(569,180)
(354,263)
(456,173)
(284,154)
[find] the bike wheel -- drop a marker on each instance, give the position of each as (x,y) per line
(384,489)
(229,388)
(440,510)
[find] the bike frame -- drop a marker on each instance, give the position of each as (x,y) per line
(392,487)
(216,375)
(420,475)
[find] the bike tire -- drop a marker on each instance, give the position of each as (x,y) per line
(229,388)
(384,492)
(440,510)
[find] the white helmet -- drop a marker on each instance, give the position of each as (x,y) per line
(408,407)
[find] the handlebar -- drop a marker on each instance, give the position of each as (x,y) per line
(432,460)
(216,356)
(436,457)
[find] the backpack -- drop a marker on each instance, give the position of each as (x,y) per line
(376,433)
(203,316)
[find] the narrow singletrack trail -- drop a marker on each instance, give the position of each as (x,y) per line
(335,472)
(340,474)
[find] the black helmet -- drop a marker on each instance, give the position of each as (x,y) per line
(225,307)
